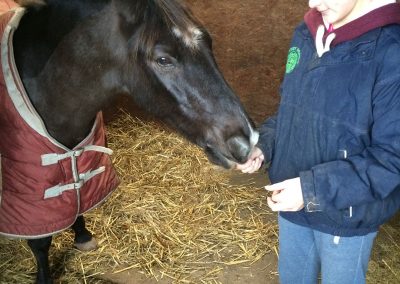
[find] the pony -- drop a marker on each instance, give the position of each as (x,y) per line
(76,58)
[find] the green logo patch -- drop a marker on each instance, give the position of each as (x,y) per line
(293,59)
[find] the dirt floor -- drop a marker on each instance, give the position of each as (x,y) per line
(251,39)
(262,272)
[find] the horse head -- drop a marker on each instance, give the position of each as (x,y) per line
(156,52)
(173,74)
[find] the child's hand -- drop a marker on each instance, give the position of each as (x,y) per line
(286,195)
(253,163)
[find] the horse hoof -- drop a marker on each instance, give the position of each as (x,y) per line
(87,246)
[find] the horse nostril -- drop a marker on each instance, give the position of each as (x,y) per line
(239,148)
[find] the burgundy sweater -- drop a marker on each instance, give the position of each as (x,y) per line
(386,15)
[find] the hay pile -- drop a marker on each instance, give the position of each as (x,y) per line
(174,216)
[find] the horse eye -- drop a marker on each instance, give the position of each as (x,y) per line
(164,62)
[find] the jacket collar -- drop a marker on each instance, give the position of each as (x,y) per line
(383,16)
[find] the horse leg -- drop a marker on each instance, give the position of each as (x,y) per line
(40,249)
(84,240)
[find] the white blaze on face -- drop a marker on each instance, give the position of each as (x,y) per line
(191,37)
(254,135)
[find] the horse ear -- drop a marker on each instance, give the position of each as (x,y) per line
(130,15)
(31,3)
(129,9)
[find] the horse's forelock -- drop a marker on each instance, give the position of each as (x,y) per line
(172,14)
(181,22)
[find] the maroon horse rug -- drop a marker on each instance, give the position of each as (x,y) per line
(45,186)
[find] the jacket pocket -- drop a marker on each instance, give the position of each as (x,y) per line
(365,216)
(335,216)
(342,155)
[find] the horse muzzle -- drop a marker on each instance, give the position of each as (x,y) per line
(236,150)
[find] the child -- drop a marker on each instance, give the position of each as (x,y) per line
(334,145)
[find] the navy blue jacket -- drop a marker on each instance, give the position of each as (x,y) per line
(338,128)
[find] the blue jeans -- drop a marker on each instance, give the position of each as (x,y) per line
(305,253)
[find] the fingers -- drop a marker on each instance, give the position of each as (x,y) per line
(275,186)
(253,163)
(254,166)
(281,206)
(250,166)
(244,166)
(275,206)
(286,195)
(276,196)
(257,153)
(289,183)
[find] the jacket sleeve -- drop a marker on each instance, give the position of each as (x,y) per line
(266,141)
(371,175)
